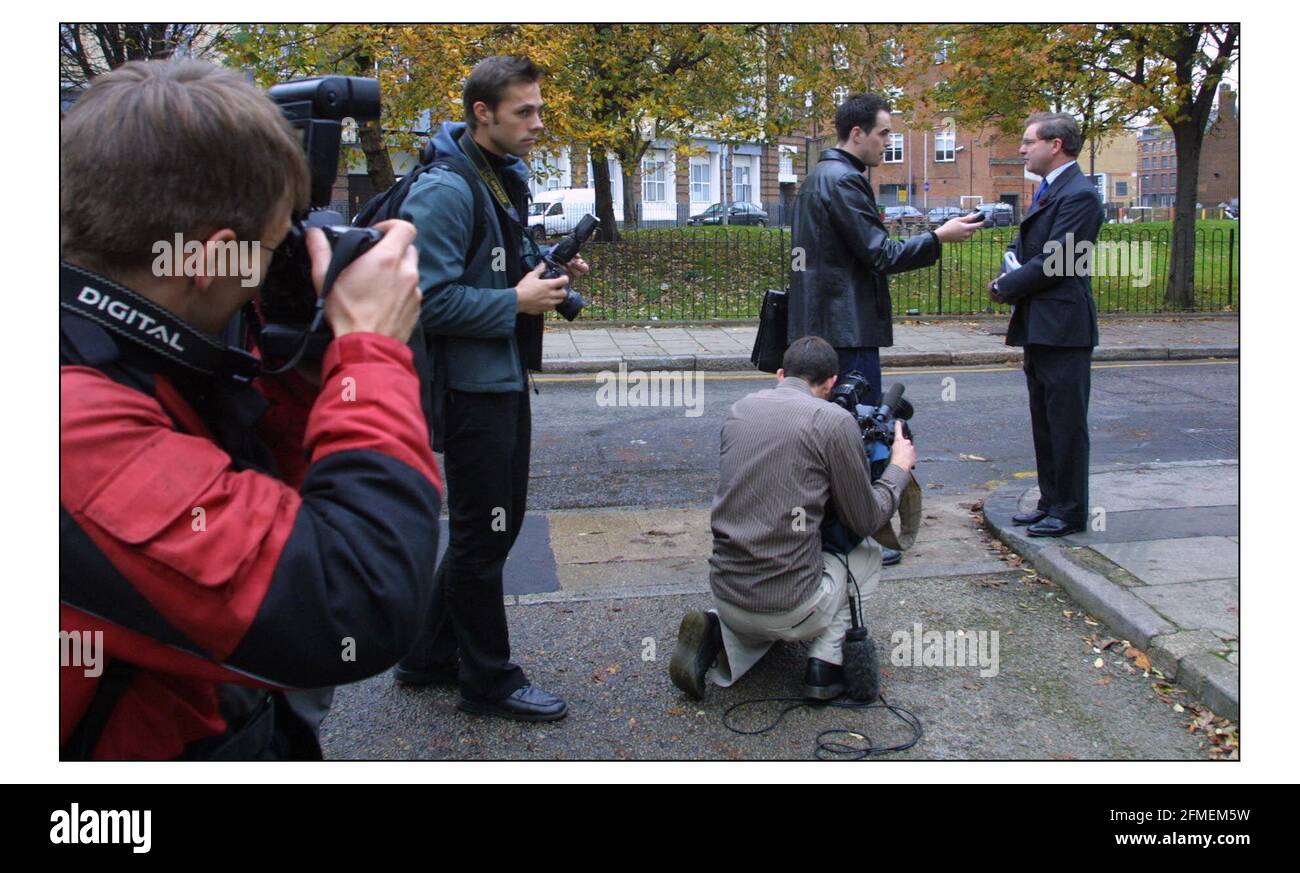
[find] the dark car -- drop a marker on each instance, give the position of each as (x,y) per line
(939,214)
(998,214)
(905,216)
(738,213)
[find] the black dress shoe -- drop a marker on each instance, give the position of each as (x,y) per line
(822,680)
(889,557)
(1052,527)
(1032,517)
(410,673)
(526,704)
(699,640)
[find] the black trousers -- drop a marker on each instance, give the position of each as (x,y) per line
(488,438)
(1060,381)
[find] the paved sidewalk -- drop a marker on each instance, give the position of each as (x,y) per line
(1159,565)
(916,344)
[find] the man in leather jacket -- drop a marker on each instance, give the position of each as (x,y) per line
(839,285)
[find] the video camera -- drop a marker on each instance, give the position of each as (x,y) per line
(875,422)
(566,250)
(292,314)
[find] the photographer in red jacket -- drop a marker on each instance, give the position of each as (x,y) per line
(224,542)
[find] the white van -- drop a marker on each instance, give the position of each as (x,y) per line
(555,213)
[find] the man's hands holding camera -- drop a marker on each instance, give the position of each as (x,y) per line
(380,291)
(961,228)
(537,295)
(903,453)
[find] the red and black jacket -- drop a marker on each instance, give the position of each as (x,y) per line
(225,537)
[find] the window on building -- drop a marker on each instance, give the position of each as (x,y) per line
(941,53)
(653,187)
(700,191)
(839,95)
(742,184)
(1121,189)
(894,151)
(945,146)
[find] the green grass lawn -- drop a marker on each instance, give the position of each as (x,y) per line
(719,273)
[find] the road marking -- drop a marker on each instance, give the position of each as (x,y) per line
(919,371)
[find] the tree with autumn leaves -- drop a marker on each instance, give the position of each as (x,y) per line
(1106,76)
(618,88)
(615,88)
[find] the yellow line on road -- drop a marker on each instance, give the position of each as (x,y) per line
(919,371)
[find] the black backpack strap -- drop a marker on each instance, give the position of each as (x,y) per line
(387,205)
(117,678)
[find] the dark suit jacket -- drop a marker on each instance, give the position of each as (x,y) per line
(842,294)
(1058,309)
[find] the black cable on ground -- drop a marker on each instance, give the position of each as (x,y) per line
(828,749)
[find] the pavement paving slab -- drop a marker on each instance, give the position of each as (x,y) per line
(1171,561)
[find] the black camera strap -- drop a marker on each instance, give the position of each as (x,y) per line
(128,315)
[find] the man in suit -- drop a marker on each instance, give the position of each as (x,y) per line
(843,255)
(1055,319)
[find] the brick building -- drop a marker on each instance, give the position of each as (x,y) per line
(1110,164)
(1220,166)
(1219,170)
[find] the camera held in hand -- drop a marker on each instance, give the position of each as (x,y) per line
(875,422)
(292,314)
(566,250)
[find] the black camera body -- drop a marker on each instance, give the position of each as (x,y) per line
(875,422)
(566,250)
(290,310)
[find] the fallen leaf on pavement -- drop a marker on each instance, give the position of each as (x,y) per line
(1104,680)
(965,457)
(1099,663)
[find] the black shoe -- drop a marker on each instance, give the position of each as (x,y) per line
(526,704)
(1032,517)
(822,680)
(699,640)
(1052,527)
(410,673)
(889,557)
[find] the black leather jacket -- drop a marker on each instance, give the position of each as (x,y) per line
(842,292)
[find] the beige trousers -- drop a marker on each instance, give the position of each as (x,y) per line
(824,618)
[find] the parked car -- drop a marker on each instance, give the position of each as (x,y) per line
(998,214)
(904,215)
(939,214)
(737,213)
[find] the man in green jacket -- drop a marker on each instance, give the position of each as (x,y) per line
(482,314)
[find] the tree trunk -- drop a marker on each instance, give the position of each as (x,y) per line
(629,198)
(1180,290)
(604,195)
(379,166)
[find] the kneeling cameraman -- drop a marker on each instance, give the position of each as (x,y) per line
(222,543)
(785,453)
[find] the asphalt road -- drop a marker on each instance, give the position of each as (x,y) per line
(607,655)
(585,455)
